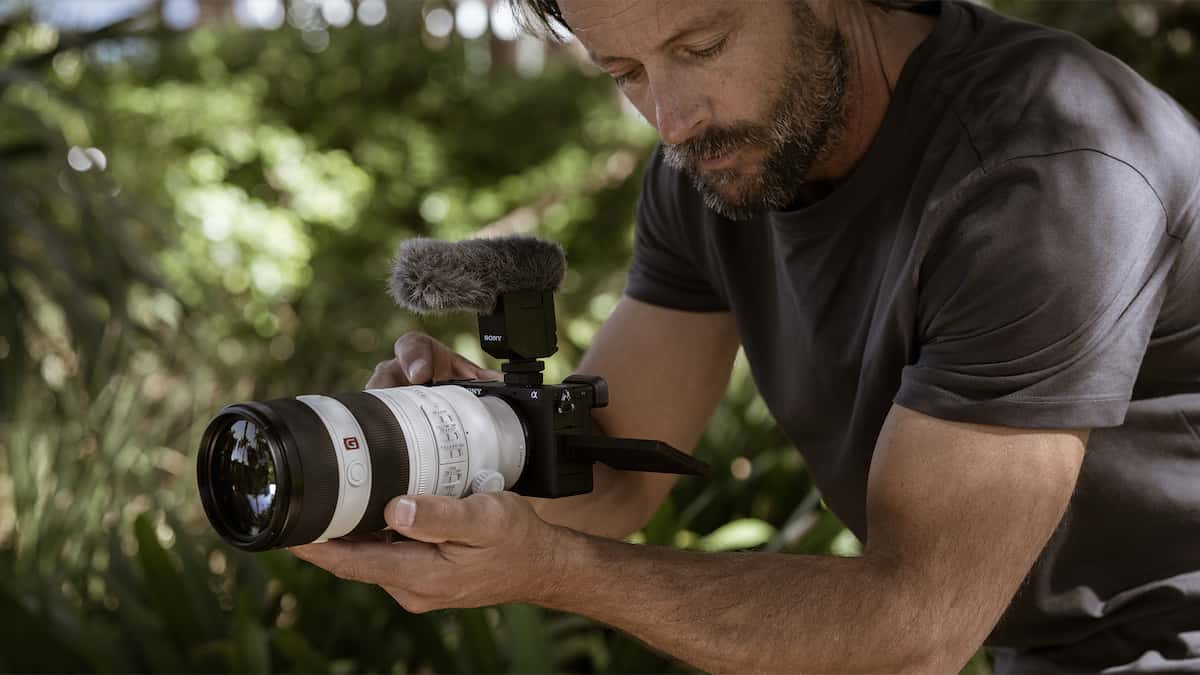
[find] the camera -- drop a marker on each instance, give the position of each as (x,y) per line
(292,471)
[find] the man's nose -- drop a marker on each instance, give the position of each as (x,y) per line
(677,117)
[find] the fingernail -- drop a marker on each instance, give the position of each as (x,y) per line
(403,511)
(415,368)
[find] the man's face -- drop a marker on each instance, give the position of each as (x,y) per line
(746,95)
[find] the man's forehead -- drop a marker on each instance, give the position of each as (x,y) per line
(617,27)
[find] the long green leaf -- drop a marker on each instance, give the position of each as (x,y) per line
(144,634)
(210,620)
(423,630)
(214,656)
(29,645)
(298,652)
(165,584)
(530,650)
(660,531)
(254,654)
(102,646)
(479,641)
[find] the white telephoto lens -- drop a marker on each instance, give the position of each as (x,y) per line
(292,471)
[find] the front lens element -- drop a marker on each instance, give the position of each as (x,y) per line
(244,478)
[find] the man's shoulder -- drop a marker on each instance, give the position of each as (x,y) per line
(1023,90)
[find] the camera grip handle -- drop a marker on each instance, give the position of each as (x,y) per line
(633,454)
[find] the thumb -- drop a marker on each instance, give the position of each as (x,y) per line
(433,519)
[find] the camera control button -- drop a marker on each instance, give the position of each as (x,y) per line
(487,481)
(356,473)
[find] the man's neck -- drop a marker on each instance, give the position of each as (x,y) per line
(879,43)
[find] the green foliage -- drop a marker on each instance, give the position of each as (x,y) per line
(232,242)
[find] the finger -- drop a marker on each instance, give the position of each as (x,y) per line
(443,362)
(325,555)
(466,368)
(373,562)
(415,353)
(387,374)
(474,521)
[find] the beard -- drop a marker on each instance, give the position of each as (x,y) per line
(807,117)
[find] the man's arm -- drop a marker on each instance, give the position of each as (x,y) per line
(957,514)
(666,371)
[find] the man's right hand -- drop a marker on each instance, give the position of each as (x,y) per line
(421,359)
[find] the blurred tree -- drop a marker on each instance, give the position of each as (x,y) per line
(193,217)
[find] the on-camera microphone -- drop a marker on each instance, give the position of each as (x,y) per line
(430,276)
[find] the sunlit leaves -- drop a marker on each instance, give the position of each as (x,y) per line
(269,185)
(736,535)
(320,187)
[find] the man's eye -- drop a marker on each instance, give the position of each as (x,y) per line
(627,77)
(709,52)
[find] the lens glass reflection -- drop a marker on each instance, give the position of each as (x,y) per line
(244,478)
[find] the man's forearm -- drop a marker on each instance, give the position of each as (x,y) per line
(753,612)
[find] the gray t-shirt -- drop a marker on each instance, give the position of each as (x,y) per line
(1018,247)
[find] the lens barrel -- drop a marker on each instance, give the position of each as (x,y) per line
(292,471)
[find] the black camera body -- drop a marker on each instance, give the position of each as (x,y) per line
(553,415)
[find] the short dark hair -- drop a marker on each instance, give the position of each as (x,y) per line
(540,16)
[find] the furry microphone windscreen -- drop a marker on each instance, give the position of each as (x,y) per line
(431,276)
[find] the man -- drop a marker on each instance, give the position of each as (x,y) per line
(957,250)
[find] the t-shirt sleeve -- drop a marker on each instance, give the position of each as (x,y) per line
(1039,293)
(667,267)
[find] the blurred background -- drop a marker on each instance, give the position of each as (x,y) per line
(198,203)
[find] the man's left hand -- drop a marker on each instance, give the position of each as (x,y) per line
(487,549)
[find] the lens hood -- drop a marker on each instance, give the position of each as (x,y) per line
(306,488)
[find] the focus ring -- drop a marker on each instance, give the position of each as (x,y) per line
(389,454)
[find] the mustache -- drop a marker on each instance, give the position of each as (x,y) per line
(713,143)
